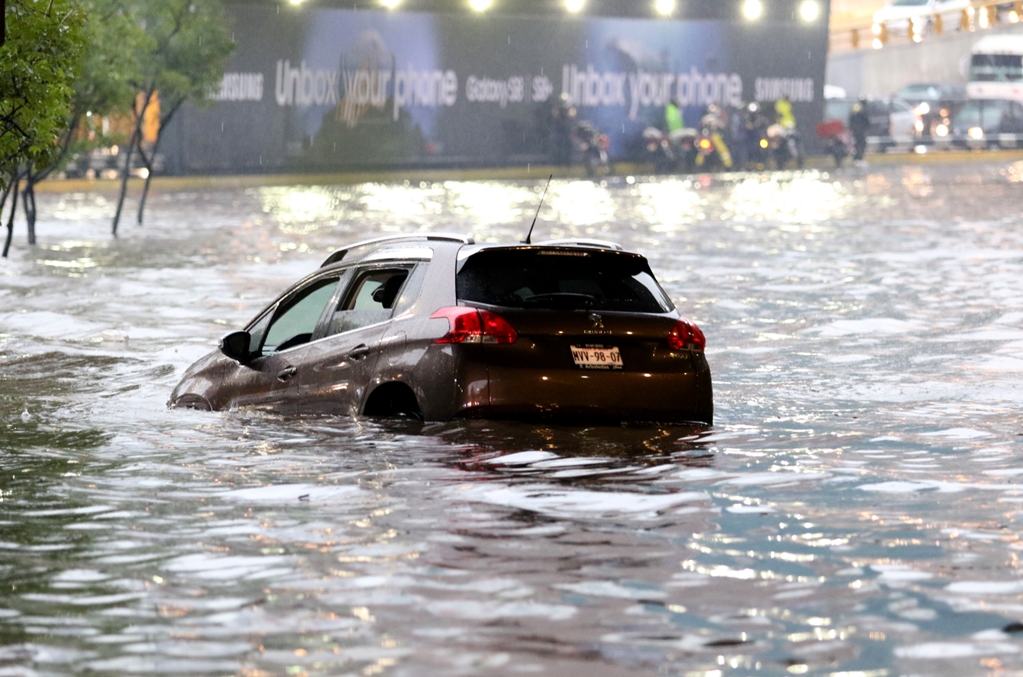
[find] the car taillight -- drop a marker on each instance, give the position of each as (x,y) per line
(686,336)
(469,325)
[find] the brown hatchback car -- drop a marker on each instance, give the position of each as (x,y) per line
(438,327)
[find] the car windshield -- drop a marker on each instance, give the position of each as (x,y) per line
(996,68)
(919,93)
(561,279)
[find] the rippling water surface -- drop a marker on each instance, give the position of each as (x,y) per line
(854,511)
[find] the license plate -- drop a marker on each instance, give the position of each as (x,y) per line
(597,357)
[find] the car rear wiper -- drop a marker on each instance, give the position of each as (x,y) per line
(560,300)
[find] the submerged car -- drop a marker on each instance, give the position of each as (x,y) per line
(438,327)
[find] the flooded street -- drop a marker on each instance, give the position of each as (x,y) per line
(855,510)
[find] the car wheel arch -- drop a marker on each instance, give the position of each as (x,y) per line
(392,398)
(191,401)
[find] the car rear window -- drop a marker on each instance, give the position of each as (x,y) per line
(561,278)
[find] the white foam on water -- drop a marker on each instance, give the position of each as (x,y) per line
(942,650)
(986,587)
(610,589)
(496,610)
(522,458)
(774,478)
(848,359)
(958,434)
(868,327)
(899,572)
(754,509)
(217,567)
(578,503)
(570,462)
(287,493)
(47,324)
(908,487)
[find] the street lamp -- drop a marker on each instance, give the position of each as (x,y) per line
(752,9)
(665,7)
(390,4)
(809,10)
(575,6)
(480,5)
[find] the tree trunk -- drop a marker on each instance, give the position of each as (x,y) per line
(126,173)
(10,219)
(28,199)
(136,141)
(148,161)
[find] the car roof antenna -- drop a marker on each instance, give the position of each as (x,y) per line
(530,233)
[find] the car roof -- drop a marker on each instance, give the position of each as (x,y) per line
(361,249)
(401,245)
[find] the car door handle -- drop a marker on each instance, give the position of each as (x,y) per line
(284,375)
(359,352)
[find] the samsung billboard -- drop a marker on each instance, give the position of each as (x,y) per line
(322,89)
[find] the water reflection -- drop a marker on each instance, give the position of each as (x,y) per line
(855,511)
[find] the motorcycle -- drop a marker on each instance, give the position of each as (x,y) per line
(658,150)
(784,145)
(838,142)
(708,155)
(594,145)
(712,152)
(674,152)
(755,125)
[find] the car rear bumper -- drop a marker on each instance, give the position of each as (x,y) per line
(604,396)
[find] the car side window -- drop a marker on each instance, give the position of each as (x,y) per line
(370,299)
(296,320)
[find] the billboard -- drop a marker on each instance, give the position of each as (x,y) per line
(323,89)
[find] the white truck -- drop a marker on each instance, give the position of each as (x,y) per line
(996,68)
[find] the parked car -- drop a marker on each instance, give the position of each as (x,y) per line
(892,121)
(983,123)
(439,327)
(899,15)
(934,103)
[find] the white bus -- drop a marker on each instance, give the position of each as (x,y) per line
(996,68)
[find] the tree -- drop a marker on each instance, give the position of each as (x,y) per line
(189,44)
(113,39)
(38,64)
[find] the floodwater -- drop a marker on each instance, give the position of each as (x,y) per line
(856,509)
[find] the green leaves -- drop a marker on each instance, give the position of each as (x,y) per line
(190,42)
(38,65)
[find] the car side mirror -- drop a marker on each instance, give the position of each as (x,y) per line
(236,346)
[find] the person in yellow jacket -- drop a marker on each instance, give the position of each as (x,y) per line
(673,118)
(783,112)
(712,125)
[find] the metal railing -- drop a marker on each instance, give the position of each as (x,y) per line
(979,15)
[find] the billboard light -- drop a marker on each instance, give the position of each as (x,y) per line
(575,6)
(752,9)
(665,7)
(809,10)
